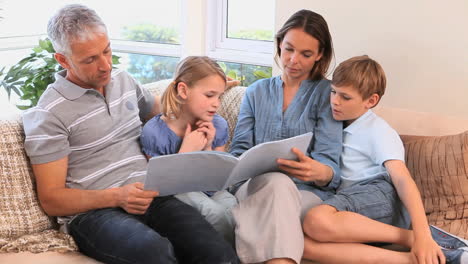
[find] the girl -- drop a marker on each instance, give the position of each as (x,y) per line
(189,123)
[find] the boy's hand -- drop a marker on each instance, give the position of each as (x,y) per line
(134,199)
(426,251)
(193,140)
(306,169)
(210,132)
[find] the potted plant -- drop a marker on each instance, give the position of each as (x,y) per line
(31,75)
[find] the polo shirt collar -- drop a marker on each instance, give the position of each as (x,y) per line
(68,89)
(358,123)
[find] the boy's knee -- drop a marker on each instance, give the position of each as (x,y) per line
(317,224)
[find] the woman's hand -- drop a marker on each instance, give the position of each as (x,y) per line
(193,140)
(230,83)
(210,132)
(306,169)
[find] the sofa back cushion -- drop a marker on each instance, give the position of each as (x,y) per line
(23,223)
(439,165)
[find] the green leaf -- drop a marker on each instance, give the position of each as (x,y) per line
(24,107)
(222,65)
(261,74)
(115,59)
(232,74)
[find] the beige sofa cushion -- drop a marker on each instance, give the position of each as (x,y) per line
(439,166)
(23,224)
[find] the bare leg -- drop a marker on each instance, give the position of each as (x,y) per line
(325,224)
(351,253)
(280,261)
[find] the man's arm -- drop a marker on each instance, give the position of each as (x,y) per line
(58,200)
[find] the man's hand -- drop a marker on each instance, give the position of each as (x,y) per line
(210,132)
(134,199)
(193,140)
(306,169)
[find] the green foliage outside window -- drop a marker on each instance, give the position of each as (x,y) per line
(151,33)
(245,73)
(266,35)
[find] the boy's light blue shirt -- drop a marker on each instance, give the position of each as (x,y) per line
(367,143)
(261,119)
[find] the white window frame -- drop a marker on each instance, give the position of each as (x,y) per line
(212,41)
(220,47)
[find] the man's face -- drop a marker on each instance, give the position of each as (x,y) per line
(90,62)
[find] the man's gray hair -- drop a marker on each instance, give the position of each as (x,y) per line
(73,22)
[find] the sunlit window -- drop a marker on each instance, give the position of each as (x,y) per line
(255,22)
(141,20)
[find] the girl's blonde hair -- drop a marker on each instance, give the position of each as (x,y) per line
(190,70)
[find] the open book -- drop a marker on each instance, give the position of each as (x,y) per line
(214,171)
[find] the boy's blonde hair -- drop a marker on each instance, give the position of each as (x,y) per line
(363,73)
(190,70)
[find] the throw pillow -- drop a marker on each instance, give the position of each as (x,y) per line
(439,166)
(23,224)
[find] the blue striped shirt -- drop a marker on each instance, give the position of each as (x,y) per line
(261,119)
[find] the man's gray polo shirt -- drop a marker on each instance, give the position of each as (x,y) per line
(98,134)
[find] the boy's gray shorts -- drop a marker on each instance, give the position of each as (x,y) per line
(376,199)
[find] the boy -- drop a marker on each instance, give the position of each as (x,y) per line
(367,206)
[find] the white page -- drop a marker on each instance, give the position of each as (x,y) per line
(262,158)
(214,171)
(179,173)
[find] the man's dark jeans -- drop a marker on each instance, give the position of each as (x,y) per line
(169,232)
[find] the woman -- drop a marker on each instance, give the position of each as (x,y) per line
(268,217)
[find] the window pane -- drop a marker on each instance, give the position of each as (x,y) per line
(141,20)
(148,68)
(246,73)
(255,22)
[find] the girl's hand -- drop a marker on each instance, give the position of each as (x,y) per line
(210,133)
(306,169)
(193,140)
(426,251)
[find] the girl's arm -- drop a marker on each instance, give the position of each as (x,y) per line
(423,245)
(220,148)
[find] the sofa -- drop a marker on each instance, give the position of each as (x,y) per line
(436,154)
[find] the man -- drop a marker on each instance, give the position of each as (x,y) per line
(82,140)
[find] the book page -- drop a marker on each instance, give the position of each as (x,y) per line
(189,172)
(262,158)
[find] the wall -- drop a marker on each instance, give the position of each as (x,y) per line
(421,44)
